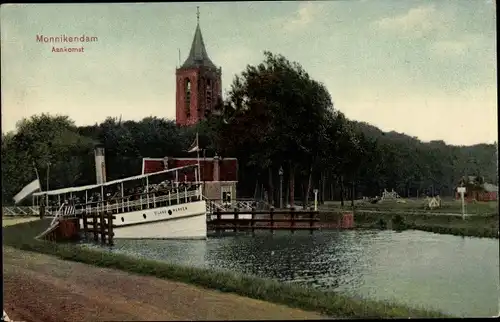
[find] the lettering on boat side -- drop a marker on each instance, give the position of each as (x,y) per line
(170,211)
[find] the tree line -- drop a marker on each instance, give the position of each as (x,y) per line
(281,125)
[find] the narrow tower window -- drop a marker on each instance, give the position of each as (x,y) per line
(208,94)
(188,96)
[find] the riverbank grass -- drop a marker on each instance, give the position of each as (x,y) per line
(485,225)
(471,226)
(414,205)
(21,236)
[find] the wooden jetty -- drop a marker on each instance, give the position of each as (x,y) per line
(100,227)
(96,227)
(289,219)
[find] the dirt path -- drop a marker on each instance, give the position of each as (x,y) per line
(42,288)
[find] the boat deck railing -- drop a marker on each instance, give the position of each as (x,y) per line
(242,204)
(130,203)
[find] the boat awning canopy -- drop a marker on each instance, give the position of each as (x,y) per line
(109,183)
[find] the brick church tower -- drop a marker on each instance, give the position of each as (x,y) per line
(198,84)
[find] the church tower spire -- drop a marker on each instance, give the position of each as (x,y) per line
(198,82)
(198,55)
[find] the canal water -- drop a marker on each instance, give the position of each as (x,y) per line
(455,275)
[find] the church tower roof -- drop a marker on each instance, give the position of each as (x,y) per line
(198,56)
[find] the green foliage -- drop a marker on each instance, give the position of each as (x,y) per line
(21,236)
(274,116)
(52,145)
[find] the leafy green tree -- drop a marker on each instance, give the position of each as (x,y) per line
(52,145)
(276,113)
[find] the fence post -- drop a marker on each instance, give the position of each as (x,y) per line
(94,224)
(85,224)
(102,228)
(271,215)
(111,234)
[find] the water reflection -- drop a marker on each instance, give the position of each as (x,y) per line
(453,274)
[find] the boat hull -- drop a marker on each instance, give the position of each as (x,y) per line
(184,221)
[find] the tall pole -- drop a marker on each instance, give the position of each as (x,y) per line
(281,187)
(48,173)
(198,157)
(36,171)
(463,206)
(204,162)
(315,199)
(281,192)
(38,178)
(462,191)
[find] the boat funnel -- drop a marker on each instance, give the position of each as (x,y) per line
(100,164)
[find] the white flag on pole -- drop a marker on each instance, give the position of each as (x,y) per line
(30,188)
(194,147)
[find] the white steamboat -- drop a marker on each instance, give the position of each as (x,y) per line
(162,205)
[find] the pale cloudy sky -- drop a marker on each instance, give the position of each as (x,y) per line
(425,68)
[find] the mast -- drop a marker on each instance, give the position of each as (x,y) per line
(198,157)
(200,191)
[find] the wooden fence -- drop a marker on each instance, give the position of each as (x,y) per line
(251,220)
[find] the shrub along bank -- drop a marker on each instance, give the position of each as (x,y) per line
(329,303)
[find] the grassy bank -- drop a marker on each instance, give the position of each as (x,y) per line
(329,303)
(417,206)
(472,226)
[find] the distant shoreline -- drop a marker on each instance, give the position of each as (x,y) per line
(484,226)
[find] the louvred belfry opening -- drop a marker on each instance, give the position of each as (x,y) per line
(198,85)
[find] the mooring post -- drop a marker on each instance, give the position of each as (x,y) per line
(110,229)
(271,216)
(102,226)
(292,220)
(236,220)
